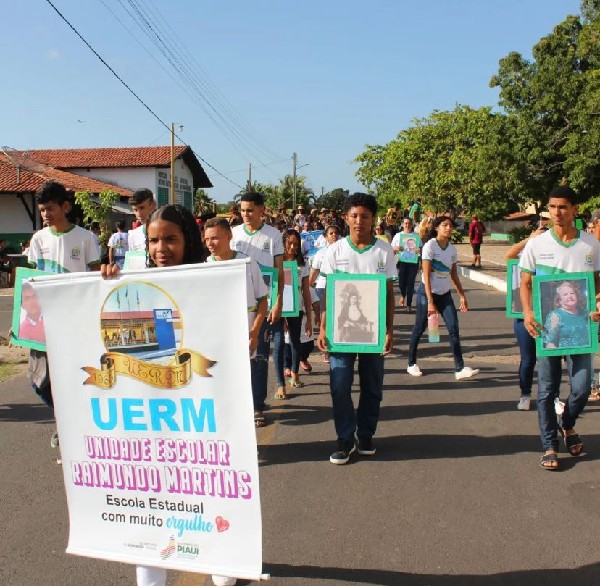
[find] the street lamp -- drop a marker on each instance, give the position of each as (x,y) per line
(294,186)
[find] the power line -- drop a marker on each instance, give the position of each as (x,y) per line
(130,90)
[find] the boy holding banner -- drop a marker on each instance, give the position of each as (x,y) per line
(359,253)
(60,247)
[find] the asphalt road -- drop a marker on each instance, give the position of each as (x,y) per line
(453,496)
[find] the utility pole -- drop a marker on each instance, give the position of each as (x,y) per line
(294,163)
(172,190)
(249,186)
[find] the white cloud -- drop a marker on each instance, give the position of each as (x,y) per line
(52,54)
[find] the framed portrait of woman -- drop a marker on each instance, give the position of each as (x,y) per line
(355,312)
(270,276)
(291,289)
(561,305)
(27,328)
(514,307)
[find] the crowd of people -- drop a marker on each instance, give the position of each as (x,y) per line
(355,240)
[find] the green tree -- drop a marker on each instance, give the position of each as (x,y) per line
(203,203)
(97,211)
(333,199)
(451,161)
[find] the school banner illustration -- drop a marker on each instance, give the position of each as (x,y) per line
(151,383)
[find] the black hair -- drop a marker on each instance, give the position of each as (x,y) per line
(182,217)
(120,225)
(364,200)
(564,192)
(52,191)
(253,197)
(299,256)
(140,196)
(441,219)
(218,222)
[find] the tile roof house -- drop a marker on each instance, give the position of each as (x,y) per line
(122,169)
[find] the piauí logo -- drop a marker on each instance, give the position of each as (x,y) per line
(168,551)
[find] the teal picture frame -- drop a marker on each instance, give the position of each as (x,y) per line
(566,328)
(291,290)
(363,332)
(514,307)
(407,253)
(271,278)
(17,337)
(134,259)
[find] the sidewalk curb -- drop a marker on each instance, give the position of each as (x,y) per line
(480,277)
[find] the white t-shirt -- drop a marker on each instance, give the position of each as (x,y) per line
(256,290)
(442,260)
(262,245)
(118,242)
(73,251)
(547,255)
(317,260)
(343,257)
(137,238)
(321,241)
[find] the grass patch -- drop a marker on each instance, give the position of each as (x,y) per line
(10,370)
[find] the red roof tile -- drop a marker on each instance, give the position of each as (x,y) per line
(106,157)
(30,176)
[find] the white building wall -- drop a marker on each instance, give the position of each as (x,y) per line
(13,216)
(129,178)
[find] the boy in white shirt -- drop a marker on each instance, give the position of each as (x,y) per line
(359,253)
(142,204)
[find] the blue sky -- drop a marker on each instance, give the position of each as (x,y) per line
(322,78)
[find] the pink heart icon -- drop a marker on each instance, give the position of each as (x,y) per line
(222,524)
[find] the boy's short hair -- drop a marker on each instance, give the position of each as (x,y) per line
(140,196)
(253,197)
(51,191)
(364,200)
(120,225)
(564,192)
(218,223)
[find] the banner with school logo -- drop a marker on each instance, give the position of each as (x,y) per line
(151,383)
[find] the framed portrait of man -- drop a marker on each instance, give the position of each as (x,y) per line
(561,305)
(270,276)
(27,320)
(355,312)
(291,289)
(514,307)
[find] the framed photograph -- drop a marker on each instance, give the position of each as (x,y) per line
(561,304)
(135,259)
(27,320)
(514,307)
(409,245)
(355,314)
(271,278)
(291,289)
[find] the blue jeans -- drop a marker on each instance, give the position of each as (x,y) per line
(407,273)
(259,365)
(445,306)
(528,357)
(341,374)
(549,377)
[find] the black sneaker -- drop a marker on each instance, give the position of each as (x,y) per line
(342,454)
(365,446)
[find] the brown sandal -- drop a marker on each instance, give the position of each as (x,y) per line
(280,395)
(259,419)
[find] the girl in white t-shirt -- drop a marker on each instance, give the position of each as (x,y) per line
(292,250)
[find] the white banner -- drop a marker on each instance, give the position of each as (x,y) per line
(151,383)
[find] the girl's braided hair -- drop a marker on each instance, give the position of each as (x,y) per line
(182,217)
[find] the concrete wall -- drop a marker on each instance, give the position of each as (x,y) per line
(127,178)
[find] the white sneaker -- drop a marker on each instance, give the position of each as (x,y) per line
(466,372)
(414,370)
(524,403)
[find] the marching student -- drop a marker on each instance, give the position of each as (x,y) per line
(217,237)
(173,239)
(143,204)
(60,247)
(263,243)
(359,253)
